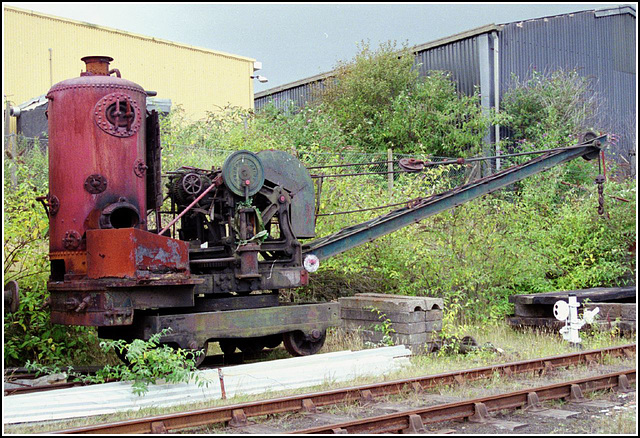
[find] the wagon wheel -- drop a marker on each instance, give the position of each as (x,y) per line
(299,344)
(192,183)
(192,353)
(198,359)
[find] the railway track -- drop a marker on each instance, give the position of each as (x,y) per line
(237,415)
(479,409)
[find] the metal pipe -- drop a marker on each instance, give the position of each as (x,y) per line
(351,164)
(496,92)
(220,260)
(50,68)
(188,208)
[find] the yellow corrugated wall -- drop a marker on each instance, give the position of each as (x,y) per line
(200,80)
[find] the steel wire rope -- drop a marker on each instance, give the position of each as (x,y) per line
(441,163)
(459,161)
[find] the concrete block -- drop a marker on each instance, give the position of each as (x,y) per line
(400,317)
(507,425)
(368,315)
(623,326)
(398,338)
(433,326)
(407,328)
(391,303)
(433,315)
(558,414)
(612,311)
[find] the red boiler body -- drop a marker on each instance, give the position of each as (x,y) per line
(97,169)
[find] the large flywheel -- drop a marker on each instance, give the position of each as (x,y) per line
(243,173)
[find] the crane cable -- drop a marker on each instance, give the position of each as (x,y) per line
(600,179)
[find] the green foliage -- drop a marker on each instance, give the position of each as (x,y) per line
(28,333)
(550,109)
(381,102)
(366,87)
(385,327)
(433,118)
(148,362)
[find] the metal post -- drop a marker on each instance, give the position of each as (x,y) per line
(496,94)
(50,68)
(9,142)
(484,64)
(390,169)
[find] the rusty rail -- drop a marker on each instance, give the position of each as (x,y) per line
(412,421)
(240,412)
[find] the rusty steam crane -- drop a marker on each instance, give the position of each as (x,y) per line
(240,234)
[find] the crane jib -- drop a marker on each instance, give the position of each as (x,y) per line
(356,235)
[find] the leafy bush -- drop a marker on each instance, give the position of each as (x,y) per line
(148,363)
(434,119)
(551,109)
(28,333)
(380,101)
(366,87)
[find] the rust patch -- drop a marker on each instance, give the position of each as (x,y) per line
(134,253)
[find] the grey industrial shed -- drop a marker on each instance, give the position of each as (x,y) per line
(600,44)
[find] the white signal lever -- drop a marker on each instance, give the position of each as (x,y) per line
(569,313)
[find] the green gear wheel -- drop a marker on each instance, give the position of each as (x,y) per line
(243,169)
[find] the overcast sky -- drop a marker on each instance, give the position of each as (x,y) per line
(295,41)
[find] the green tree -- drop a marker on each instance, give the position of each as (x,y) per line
(380,101)
(551,109)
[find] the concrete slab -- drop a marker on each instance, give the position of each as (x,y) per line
(399,338)
(400,317)
(506,425)
(256,429)
(368,315)
(597,404)
(391,303)
(611,311)
(324,418)
(559,414)
(401,328)
(595,295)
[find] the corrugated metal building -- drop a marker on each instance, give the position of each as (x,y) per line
(599,43)
(41,50)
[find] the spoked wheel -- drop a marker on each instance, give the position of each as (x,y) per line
(198,358)
(299,344)
(197,354)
